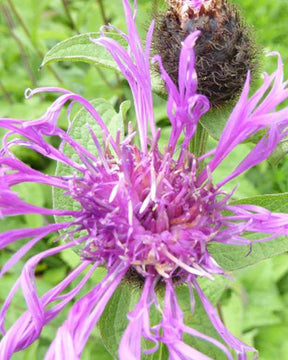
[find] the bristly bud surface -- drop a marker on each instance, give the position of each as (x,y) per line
(224,51)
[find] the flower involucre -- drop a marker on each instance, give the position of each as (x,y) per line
(140,209)
(224,51)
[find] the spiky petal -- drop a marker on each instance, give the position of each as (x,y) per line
(140,210)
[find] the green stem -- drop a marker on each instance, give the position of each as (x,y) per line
(18,17)
(26,31)
(24,55)
(103,14)
(199,141)
(67,10)
(220,313)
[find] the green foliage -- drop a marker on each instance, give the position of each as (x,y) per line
(254,307)
(81,48)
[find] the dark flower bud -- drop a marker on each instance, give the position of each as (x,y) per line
(224,51)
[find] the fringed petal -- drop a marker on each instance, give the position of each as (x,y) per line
(23,332)
(135,66)
(84,315)
(184,106)
(139,326)
(250,116)
(238,346)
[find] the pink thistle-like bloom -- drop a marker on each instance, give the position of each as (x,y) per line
(140,208)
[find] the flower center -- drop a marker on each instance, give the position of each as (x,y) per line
(147,209)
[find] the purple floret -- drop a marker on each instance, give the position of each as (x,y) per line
(139,208)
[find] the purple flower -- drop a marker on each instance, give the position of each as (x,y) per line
(140,209)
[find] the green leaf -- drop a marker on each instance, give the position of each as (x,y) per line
(215,120)
(81,48)
(113,321)
(232,257)
(124,108)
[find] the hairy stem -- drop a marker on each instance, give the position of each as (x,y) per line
(24,55)
(103,14)
(67,10)
(26,31)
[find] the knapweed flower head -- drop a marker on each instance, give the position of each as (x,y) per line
(224,50)
(140,209)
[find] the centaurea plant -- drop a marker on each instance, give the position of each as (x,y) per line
(140,209)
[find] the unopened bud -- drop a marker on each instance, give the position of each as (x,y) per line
(224,51)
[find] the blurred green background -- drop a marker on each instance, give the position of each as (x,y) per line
(255,306)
